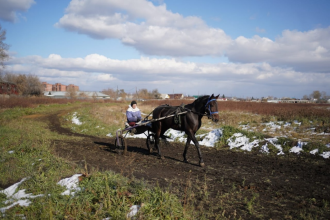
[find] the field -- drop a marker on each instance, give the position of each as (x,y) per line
(40,142)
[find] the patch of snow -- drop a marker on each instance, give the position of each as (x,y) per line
(71,184)
(24,202)
(264,149)
(272,126)
(287,124)
(133,211)
(314,151)
(12,189)
(211,138)
(273,142)
(295,150)
(326,154)
(75,119)
(16,198)
(109,135)
(297,123)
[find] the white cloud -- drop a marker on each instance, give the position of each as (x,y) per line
(303,51)
(150,29)
(9,9)
(99,72)
(155,30)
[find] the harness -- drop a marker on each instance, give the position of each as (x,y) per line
(208,107)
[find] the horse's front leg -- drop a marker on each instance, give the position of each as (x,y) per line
(186,149)
(201,162)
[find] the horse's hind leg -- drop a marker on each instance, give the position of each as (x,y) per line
(157,139)
(201,162)
(186,149)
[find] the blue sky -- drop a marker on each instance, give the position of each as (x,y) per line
(238,48)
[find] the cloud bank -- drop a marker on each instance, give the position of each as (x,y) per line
(97,71)
(154,30)
(9,9)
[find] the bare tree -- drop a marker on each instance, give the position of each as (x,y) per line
(155,94)
(316,94)
(26,84)
(143,94)
(3,50)
(305,97)
(324,95)
(110,92)
(71,92)
(83,95)
(122,94)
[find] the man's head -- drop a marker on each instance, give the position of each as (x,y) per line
(133,104)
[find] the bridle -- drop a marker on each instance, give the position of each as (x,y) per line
(208,108)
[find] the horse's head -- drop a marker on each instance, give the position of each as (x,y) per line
(211,108)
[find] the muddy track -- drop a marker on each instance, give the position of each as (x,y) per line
(282,184)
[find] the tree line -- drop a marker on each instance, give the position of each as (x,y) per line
(317,96)
(140,94)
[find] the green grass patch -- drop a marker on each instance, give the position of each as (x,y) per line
(26,146)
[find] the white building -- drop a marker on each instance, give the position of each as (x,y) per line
(164,96)
(79,95)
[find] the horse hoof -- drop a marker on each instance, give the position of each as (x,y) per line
(202,164)
(185,161)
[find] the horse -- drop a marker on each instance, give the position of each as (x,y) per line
(189,122)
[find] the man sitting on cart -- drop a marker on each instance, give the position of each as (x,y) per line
(133,114)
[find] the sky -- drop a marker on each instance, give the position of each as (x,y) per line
(236,48)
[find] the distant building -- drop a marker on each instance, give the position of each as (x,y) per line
(79,95)
(8,88)
(73,87)
(176,96)
(288,101)
(47,86)
(58,87)
(164,96)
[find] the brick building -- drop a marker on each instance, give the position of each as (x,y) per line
(8,88)
(58,87)
(47,87)
(73,87)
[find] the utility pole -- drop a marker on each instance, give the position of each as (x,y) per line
(137,94)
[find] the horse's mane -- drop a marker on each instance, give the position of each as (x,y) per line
(200,99)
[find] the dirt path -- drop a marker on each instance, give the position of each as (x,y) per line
(250,185)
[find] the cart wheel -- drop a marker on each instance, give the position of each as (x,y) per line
(120,145)
(150,142)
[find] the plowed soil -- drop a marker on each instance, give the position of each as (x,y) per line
(232,184)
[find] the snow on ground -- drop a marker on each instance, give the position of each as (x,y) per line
(75,119)
(238,140)
(16,198)
(22,199)
(19,197)
(71,184)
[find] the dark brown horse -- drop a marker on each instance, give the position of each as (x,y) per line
(189,122)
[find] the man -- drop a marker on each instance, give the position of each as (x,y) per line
(133,114)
